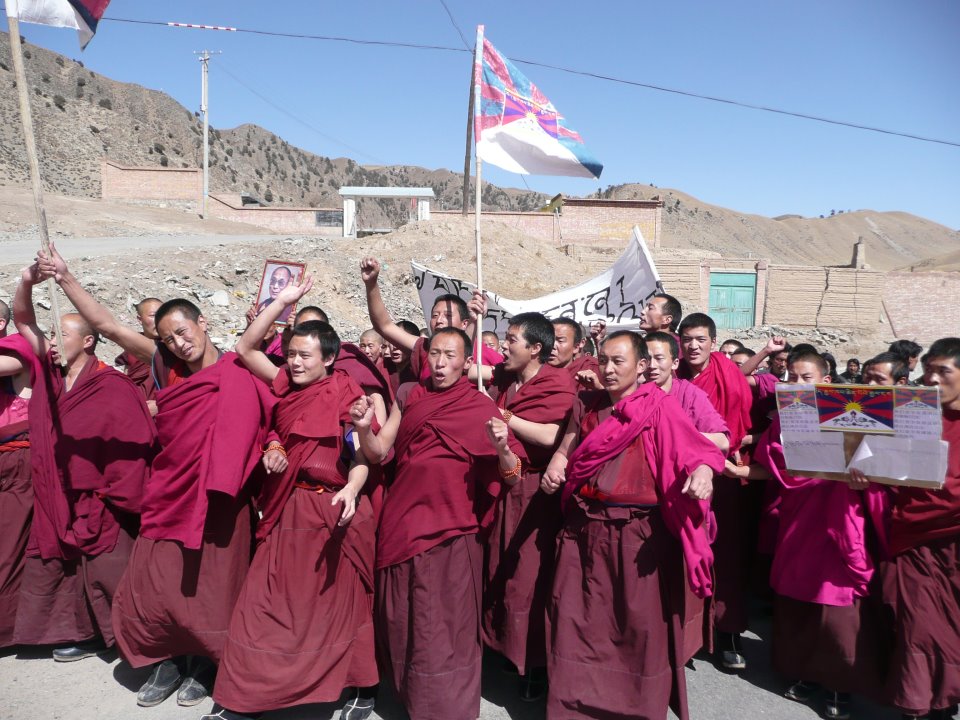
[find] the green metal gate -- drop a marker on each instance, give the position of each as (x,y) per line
(733,299)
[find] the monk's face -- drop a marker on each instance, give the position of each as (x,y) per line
(662,363)
(279,279)
(306,361)
(185,338)
(652,317)
(447,359)
(879,374)
(620,369)
(944,373)
(397,355)
(517,352)
(146,314)
(491,341)
(565,345)
(729,348)
(77,340)
(371,345)
(739,359)
(778,363)
(446,314)
(804,371)
(697,344)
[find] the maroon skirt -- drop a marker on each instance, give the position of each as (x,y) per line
(173,601)
(302,629)
(16,509)
(428,630)
(622,621)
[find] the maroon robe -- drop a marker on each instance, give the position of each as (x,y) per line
(193,551)
(91,448)
(519,568)
(305,562)
(429,560)
(139,373)
(582,363)
(730,394)
(16,490)
(623,621)
(921,586)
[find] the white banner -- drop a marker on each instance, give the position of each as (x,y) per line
(616,296)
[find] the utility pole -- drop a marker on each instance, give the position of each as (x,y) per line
(204,108)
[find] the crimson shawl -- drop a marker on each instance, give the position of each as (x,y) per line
(139,372)
(91,446)
(211,426)
(584,362)
(674,449)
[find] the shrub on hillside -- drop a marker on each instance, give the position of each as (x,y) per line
(60,101)
(105,103)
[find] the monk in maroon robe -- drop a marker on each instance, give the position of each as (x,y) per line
(535,399)
(191,557)
(636,477)
(568,344)
(315,542)
(92,441)
(921,582)
(727,389)
(18,365)
(449,441)
(134,368)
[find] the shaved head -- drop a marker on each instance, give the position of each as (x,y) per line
(81,325)
(4,312)
(150,302)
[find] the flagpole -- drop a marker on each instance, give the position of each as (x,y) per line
(465,210)
(478,337)
(26,120)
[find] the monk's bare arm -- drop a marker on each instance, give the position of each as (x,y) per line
(542,434)
(774,345)
(24,316)
(720,440)
(374,446)
(356,478)
(487,373)
(248,346)
(379,315)
(10,365)
(99,317)
(555,474)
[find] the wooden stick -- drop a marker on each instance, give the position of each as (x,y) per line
(478,338)
(26,119)
(466,156)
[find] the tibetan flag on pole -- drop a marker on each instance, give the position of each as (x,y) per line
(81,15)
(518,129)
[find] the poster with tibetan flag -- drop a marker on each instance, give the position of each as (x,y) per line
(517,128)
(81,15)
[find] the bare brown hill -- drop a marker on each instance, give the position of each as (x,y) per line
(82,116)
(893,239)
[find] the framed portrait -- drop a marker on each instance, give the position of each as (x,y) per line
(277,274)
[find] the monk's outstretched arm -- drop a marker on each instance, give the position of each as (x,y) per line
(99,317)
(356,478)
(10,365)
(374,446)
(720,440)
(555,474)
(542,434)
(24,316)
(379,315)
(248,346)
(774,345)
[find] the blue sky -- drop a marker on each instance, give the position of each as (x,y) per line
(886,64)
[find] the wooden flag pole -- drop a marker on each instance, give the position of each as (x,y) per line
(466,156)
(478,338)
(26,119)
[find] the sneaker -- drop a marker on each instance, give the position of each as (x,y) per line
(162,683)
(79,651)
(731,657)
(198,683)
(837,706)
(358,708)
(801,691)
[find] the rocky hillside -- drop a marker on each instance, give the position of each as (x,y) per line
(81,116)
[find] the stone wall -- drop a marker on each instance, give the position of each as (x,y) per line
(923,305)
(293,220)
(158,184)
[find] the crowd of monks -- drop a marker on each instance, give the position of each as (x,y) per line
(302,519)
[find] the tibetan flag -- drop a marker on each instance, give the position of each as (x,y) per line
(517,128)
(81,15)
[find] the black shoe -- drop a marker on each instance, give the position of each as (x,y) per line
(357,708)
(219,712)
(801,692)
(79,651)
(197,684)
(837,706)
(162,683)
(533,685)
(731,657)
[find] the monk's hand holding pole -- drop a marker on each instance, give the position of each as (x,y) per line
(52,264)
(555,475)
(477,306)
(857,480)
(699,485)
(510,463)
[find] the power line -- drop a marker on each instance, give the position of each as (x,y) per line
(456,27)
(572,71)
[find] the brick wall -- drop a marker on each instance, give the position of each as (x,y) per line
(119,182)
(299,221)
(922,305)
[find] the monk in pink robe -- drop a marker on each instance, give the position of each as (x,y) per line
(535,399)
(636,478)
(18,365)
(315,542)
(449,442)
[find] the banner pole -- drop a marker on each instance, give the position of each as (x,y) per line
(26,120)
(478,330)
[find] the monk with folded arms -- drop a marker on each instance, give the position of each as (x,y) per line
(636,477)
(191,557)
(17,366)
(453,453)
(92,440)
